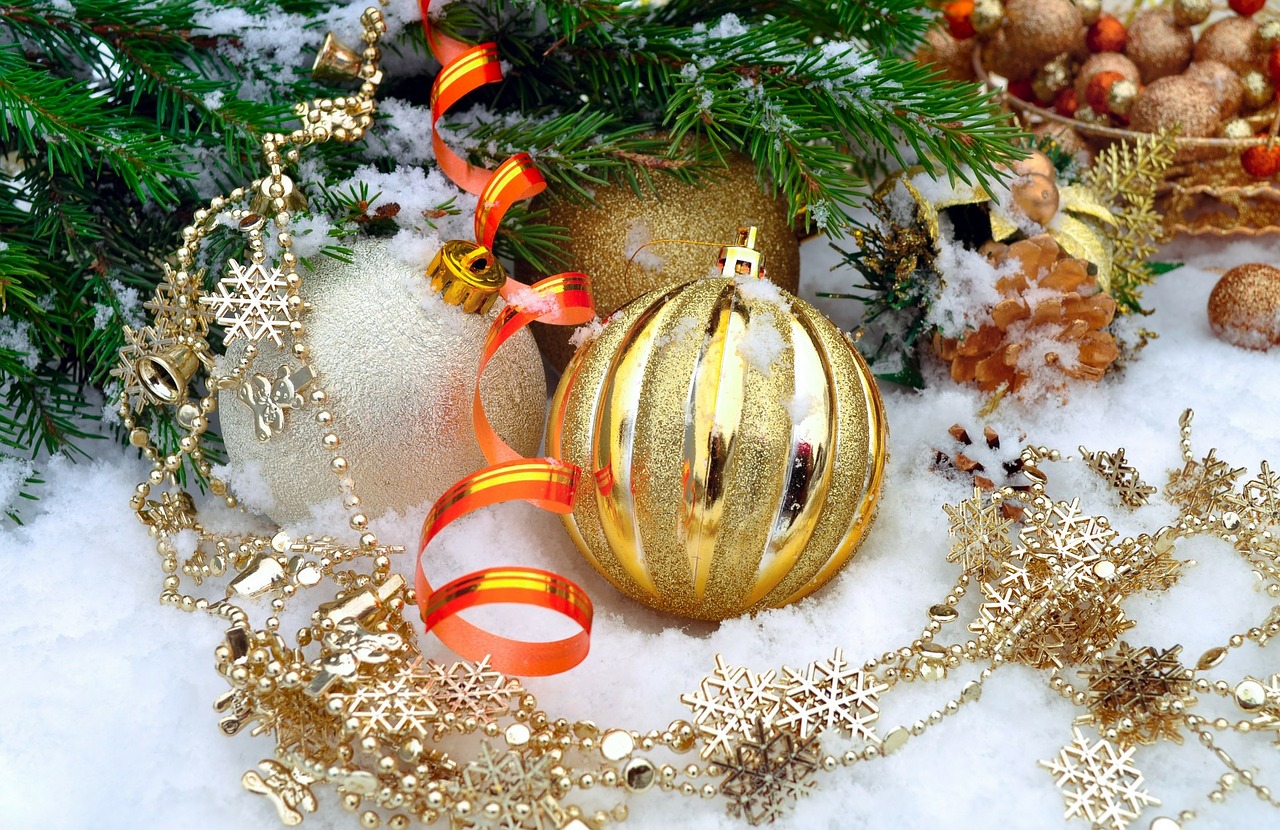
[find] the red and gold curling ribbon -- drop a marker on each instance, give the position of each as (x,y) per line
(545,483)
(564,299)
(465,69)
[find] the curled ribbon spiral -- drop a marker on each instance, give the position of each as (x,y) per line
(564,299)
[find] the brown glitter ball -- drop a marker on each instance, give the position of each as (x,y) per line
(1001,57)
(953,58)
(1176,100)
(1104,62)
(1043,29)
(1225,83)
(1233,41)
(1244,307)
(1157,45)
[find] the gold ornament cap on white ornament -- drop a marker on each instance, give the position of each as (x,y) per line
(467,275)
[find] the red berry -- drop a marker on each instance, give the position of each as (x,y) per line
(1022,90)
(1066,103)
(1095,94)
(959,14)
(1261,161)
(1107,34)
(1273,65)
(1246,8)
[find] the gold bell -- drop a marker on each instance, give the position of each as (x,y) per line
(167,375)
(742,259)
(467,275)
(261,201)
(336,62)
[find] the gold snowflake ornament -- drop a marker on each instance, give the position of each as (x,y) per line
(1120,475)
(512,790)
(1204,487)
(767,772)
(252,302)
(1099,783)
(728,703)
(979,527)
(1141,693)
(830,695)
(401,706)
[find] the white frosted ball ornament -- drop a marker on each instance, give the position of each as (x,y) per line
(397,362)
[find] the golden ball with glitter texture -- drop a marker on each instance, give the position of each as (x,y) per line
(1258,89)
(1104,62)
(1176,101)
(1191,12)
(1000,56)
(953,58)
(1233,41)
(1157,45)
(1036,196)
(1036,163)
(603,237)
(1043,29)
(1120,97)
(1244,307)
(1225,83)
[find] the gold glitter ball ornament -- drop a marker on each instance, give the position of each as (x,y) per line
(953,58)
(732,443)
(1258,89)
(1191,12)
(1225,83)
(1104,62)
(603,237)
(1043,29)
(398,365)
(1157,45)
(1234,41)
(1244,307)
(1176,102)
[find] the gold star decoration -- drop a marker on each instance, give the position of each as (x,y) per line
(1141,693)
(473,692)
(766,772)
(1120,475)
(1099,783)
(830,695)
(252,302)
(1203,487)
(980,528)
(728,703)
(400,707)
(512,790)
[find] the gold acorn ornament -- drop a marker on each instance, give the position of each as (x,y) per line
(732,442)
(397,350)
(604,236)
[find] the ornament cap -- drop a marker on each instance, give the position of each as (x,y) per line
(467,275)
(742,259)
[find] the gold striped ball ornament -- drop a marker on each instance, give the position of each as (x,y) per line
(732,443)
(604,235)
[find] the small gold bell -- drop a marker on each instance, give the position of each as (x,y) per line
(336,62)
(167,375)
(743,258)
(261,201)
(467,275)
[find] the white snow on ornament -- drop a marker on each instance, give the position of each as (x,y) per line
(758,289)
(416,192)
(901,204)
(684,328)
(801,405)
(586,333)
(311,234)
(414,248)
(761,344)
(246,481)
(526,299)
(634,247)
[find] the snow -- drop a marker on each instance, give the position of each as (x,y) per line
(108,706)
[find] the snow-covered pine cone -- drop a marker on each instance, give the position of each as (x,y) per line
(1052,318)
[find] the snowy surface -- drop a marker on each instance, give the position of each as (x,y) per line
(108,701)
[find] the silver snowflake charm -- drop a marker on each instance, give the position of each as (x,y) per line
(1099,783)
(767,772)
(251,302)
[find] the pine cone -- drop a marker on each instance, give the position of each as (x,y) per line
(1043,307)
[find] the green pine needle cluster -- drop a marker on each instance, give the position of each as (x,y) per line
(118,119)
